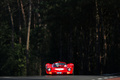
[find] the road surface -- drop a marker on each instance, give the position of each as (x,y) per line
(62,77)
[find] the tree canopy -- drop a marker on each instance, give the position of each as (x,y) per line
(84,32)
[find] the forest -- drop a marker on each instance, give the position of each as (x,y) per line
(36,32)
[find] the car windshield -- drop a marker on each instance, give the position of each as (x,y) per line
(58,64)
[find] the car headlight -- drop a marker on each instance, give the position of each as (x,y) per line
(69,69)
(49,69)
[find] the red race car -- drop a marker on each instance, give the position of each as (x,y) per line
(59,68)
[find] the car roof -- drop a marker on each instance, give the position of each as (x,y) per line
(60,62)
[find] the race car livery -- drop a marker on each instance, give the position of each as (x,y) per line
(59,68)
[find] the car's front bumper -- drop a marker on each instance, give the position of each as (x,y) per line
(56,72)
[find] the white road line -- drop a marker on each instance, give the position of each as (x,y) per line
(105,77)
(100,78)
(111,77)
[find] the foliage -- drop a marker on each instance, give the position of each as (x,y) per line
(67,30)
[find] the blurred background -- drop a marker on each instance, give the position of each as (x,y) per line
(36,32)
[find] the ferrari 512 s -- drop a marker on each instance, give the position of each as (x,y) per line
(59,68)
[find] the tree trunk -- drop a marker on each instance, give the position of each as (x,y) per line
(38,15)
(28,38)
(19,22)
(12,24)
(40,67)
(104,36)
(70,48)
(105,49)
(61,43)
(34,21)
(23,12)
(39,19)
(97,39)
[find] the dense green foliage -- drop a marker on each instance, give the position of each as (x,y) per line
(85,32)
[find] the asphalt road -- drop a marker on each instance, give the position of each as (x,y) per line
(60,77)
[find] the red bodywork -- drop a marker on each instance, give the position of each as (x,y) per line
(59,68)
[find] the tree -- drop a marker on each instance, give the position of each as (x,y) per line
(12,24)
(28,38)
